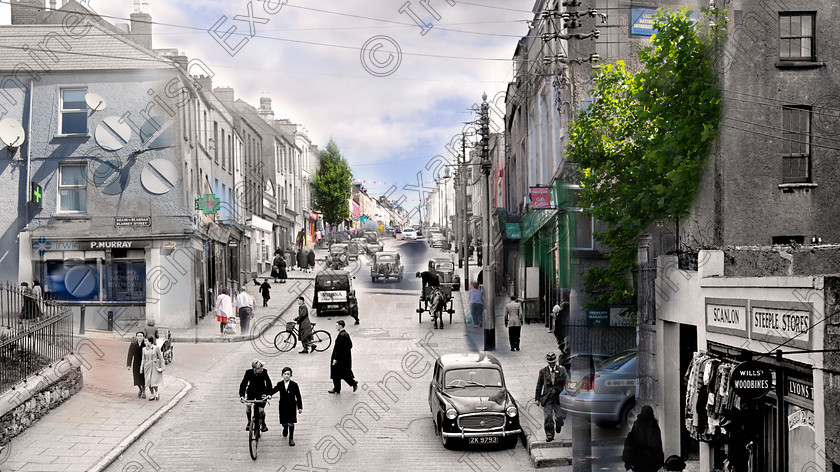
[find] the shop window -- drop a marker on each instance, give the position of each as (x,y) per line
(73,116)
(73,281)
(72,193)
(125,280)
(796,144)
(801,436)
(796,37)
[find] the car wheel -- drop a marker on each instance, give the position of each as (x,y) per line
(372,279)
(628,415)
(444,441)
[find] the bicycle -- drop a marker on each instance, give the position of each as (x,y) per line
(287,340)
(254,432)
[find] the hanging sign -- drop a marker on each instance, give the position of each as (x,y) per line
(752,380)
(541,198)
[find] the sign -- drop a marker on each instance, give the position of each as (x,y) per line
(598,318)
(620,317)
(132,221)
(512,231)
(752,380)
(641,21)
(801,417)
(780,324)
(799,389)
(36,193)
(726,317)
(541,198)
(209,204)
(113,244)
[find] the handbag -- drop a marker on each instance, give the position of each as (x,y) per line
(230,325)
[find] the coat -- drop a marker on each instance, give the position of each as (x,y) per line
(265,290)
(301,259)
(643,446)
(548,391)
(135,359)
(224,308)
(513,314)
(282,268)
(152,361)
(253,386)
(305,328)
(343,368)
(290,401)
(311,258)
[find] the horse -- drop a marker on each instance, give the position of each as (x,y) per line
(436,306)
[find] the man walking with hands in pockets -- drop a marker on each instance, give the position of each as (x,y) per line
(550,383)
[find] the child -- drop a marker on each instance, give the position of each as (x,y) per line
(290,404)
(265,288)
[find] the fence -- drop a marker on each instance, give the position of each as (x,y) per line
(35,333)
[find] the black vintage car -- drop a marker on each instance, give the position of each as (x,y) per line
(334,292)
(445,269)
(386,265)
(470,402)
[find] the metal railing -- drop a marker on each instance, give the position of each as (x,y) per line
(34,334)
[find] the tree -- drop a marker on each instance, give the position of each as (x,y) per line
(642,143)
(331,188)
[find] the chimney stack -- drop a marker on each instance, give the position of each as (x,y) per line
(225,95)
(141,24)
(205,84)
(265,109)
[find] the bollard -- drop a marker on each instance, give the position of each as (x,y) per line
(82,320)
(110,320)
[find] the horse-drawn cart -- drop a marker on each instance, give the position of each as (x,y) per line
(435,298)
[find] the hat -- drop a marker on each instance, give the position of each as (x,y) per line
(551,357)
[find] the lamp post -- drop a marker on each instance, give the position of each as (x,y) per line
(488,278)
(465,245)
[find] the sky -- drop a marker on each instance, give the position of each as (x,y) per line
(389,113)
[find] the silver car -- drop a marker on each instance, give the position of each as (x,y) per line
(608,395)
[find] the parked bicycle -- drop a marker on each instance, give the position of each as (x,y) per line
(287,340)
(254,432)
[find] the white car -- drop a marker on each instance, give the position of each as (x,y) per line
(409,233)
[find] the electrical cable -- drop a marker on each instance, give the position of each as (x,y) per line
(775,136)
(775,128)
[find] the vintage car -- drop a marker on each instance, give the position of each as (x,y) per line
(339,256)
(334,293)
(386,265)
(374,245)
(436,239)
(445,269)
(470,402)
(359,245)
(608,395)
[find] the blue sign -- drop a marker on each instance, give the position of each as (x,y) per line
(641,21)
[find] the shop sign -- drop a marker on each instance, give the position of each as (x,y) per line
(113,244)
(724,317)
(512,231)
(641,21)
(752,380)
(598,318)
(799,389)
(541,198)
(132,221)
(780,323)
(801,417)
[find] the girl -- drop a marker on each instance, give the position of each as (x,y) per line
(290,404)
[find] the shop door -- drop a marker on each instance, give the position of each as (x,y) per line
(689,447)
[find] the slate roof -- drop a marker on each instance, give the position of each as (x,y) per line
(98,49)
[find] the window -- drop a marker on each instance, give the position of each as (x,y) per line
(796,144)
(71,188)
(216,141)
(73,111)
(582,224)
(796,37)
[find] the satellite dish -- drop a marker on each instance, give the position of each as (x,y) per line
(94,101)
(11,133)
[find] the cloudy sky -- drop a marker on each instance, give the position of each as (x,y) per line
(307,58)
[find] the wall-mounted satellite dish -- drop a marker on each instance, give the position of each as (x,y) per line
(95,102)
(11,133)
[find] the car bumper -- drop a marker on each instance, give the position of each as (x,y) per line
(483,434)
(604,408)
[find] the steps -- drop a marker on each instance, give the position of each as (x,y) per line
(557,453)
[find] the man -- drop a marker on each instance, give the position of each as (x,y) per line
(342,360)
(550,383)
(254,386)
(245,308)
(135,358)
(305,329)
(513,322)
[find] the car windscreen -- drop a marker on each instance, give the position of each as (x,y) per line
(336,249)
(615,362)
(385,258)
(371,238)
(477,377)
(444,266)
(328,282)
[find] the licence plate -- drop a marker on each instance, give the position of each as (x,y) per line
(333,307)
(487,440)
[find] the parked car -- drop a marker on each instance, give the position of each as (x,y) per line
(339,256)
(357,246)
(386,265)
(436,239)
(374,245)
(608,395)
(445,269)
(409,233)
(334,293)
(470,401)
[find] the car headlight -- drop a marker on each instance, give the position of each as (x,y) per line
(451,413)
(511,411)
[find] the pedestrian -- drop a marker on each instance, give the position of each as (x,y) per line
(134,361)
(282,269)
(255,385)
(311,260)
(290,403)
(265,291)
(513,322)
(550,382)
(152,367)
(643,446)
(560,313)
(301,260)
(37,296)
(275,265)
(224,310)
(245,309)
(305,329)
(476,304)
(341,367)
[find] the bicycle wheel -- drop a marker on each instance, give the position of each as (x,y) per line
(285,341)
(254,436)
(321,340)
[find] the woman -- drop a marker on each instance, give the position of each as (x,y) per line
(476,304)
(305,329)
(282,269)
(643,446)
(311,260)
(290,404)
(152,367)
(224,310)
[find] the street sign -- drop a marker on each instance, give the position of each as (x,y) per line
(132,221)
(598,318)
(36,194)
(752,380)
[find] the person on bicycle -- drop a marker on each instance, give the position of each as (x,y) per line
(254,386)
(305,330)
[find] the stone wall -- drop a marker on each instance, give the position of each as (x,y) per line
(33,405)
(781,261)
(832,372)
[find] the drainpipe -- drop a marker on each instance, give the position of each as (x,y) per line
(29,148)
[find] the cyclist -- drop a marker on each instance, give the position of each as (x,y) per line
(254,386)
(305,329)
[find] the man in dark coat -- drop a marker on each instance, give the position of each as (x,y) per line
(643,446)
(254,386)
(342,360)
(265,291)
(275,265)
(305,329)
(135,358)
(282,266)
(310,258)
(550,383)
(301,259)
(290,404)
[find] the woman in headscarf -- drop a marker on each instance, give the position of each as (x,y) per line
(643,446)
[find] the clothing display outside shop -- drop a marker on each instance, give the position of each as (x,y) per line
(711,405)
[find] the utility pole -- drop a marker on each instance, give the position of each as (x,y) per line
(488,278)
(465,245)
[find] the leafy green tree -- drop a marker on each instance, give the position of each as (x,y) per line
(332,186)
(642,143)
